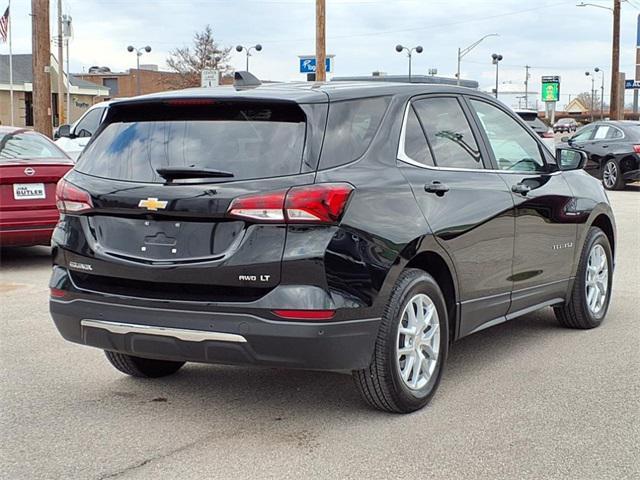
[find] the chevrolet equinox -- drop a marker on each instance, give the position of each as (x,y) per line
(359,227)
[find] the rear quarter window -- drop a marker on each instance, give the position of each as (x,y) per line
(249,140)
(351,126)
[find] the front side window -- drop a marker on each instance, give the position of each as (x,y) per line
(583,134)
(513,147)
(89,123)
(448,132)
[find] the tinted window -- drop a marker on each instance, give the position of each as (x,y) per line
(350,129)
(448,133)
(513,147)
(89,123)
(248,141)
(27,145)
(584,133)
(614,133)
(415,143)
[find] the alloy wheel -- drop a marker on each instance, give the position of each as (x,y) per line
(610,174)
(418,342)
(597,279)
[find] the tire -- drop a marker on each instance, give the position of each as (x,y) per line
(612,176)
(380,384)
(576,313)
(142,367)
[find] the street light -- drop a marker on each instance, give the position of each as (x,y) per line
(463,51)
(583,4)
(139,52)
(495,59)
(257,47)
(592,92)
(417,49)
(597,69)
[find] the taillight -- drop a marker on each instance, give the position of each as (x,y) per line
(70,199)
(323,203)
(636,148)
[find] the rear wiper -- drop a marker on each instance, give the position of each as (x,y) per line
(174,173)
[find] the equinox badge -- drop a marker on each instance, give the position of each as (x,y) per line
(152,204)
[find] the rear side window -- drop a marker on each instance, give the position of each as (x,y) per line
(415,142)
(449,133)
(249,140)
(351,126)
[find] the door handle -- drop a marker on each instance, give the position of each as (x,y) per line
(521,188)
(605,146)
(436,187)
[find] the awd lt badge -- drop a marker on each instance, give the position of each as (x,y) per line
(152,204)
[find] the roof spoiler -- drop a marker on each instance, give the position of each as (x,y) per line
(244,79)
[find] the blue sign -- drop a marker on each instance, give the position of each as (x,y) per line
(631,84)
(308,65)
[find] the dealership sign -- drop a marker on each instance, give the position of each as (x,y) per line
(631,84)
(308,64)
(550,88)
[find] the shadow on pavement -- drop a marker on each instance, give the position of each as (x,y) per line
(17,257)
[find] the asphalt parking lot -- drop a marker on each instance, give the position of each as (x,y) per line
(526,399)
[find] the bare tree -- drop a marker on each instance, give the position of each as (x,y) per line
(206,54)
(585,99)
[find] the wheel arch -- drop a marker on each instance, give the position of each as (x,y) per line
(603,222)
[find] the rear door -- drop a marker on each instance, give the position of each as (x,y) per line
(467,206)
(144,225)
(545,228)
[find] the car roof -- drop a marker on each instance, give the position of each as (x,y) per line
(305,92)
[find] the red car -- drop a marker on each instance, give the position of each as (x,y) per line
(30,167)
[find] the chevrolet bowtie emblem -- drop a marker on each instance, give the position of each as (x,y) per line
(152,204)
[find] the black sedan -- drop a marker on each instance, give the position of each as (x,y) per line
(613,148)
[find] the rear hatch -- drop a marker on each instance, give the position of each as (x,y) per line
(161,177)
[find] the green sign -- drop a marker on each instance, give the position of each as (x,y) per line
(550,89)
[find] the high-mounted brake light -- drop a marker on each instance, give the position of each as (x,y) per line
(636,148)
(322,203)
(187,102)
(70,199)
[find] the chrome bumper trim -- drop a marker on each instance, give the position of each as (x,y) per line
(179,333)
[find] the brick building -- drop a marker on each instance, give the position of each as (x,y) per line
(124,84)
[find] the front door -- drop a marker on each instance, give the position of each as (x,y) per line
(467,206)
(544,207)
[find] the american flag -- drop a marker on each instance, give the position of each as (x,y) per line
(4,25)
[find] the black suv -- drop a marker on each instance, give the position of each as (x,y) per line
(353,227)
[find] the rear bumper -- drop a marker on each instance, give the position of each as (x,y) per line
(211,337)
(27,227)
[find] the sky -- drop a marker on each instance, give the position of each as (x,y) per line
(554,37)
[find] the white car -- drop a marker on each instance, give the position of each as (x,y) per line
(544,132)
(73,138)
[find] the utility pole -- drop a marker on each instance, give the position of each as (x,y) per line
(614,109)
(60,67)
(526,86)
(321,53)
(635,90)
(41,60)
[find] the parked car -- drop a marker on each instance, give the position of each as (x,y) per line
(538,126)
(613,148)
(567,125)
(346,226)
(73,138)
(30,167)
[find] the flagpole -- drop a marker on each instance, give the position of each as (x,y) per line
(10,64)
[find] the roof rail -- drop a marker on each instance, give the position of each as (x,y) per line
(244,79)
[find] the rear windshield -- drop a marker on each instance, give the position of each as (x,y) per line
(249,140)
(27,145)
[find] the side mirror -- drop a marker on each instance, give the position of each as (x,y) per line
(63,131)
(570,159)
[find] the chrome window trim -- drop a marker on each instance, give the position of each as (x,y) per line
(403,157)
(179,333)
